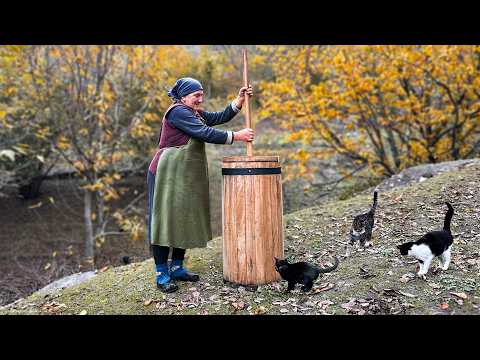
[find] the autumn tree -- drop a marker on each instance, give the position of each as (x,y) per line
(378,107)
(98,109)
(26,153)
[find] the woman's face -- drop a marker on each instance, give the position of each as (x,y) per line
(194,100)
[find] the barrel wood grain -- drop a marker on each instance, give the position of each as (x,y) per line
(252,217)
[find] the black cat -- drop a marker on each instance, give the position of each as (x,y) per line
(434,243)
(300,273)
(362,227)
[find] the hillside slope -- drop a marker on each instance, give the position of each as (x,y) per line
(374,281)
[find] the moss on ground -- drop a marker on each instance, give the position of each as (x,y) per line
(373,281)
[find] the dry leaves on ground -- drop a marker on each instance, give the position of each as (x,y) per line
(323,287)
(53,306)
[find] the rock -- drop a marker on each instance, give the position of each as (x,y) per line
(66,282)
(421,173)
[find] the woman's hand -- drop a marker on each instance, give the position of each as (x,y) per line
(245,135)
(241,95)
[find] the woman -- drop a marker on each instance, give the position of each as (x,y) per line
(178,197)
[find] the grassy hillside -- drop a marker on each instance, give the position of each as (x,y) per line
(374,281)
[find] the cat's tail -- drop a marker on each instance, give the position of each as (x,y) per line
(375,197)
(328,269)
(448,218)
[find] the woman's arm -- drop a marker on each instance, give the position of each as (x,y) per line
(220,117)
(184,119)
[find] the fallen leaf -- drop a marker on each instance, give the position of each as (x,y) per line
(8,153)
(407,277)
(349,306)
(283,311)
(83,312)
(238,305)
(47,266)
(324,304)
(36,205)
(461,295)
(407,294)
(148,302)
(365,274)
(324,287)
(444,306)
(390,292)
(434,285)
(259,311)
(105,268)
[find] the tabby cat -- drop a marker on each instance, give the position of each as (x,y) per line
(362,227)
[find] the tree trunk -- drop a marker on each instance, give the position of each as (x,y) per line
(393,148)
(89,244)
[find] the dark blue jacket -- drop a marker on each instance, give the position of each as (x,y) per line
(184,119)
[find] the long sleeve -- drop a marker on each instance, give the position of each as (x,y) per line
(220,117)
(185,120)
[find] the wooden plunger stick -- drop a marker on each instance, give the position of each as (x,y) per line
(247,101)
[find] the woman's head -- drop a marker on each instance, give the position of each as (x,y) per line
(188,91)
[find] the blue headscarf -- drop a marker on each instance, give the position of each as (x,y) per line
(183,87)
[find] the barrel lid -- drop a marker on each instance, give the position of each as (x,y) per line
(251,159)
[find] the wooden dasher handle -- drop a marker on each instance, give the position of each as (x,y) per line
(247,101)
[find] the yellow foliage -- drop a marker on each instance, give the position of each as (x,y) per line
(63,143)
(79,165)
(397,95)
(94,187)
(111,194)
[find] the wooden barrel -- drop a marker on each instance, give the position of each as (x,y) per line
(252,217)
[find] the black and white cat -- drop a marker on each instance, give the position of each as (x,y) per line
(300,273)
(362,227)
(434,243)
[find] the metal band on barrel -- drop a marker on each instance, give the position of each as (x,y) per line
(251,171)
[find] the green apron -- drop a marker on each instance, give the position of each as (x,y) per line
(181,209)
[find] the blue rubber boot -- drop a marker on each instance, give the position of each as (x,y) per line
(178,272)
(164,281)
